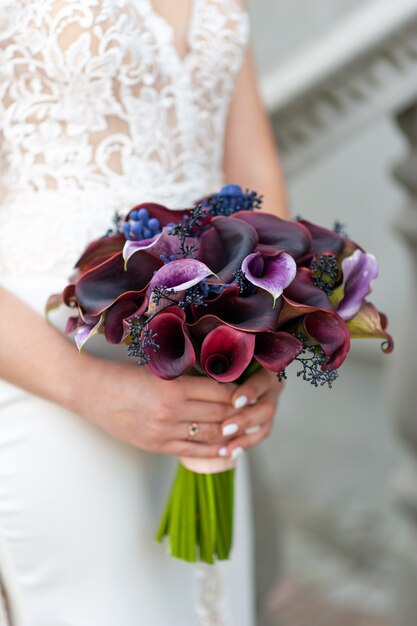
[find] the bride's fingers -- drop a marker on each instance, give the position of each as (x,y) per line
(186,448)
(204,432)
(251,417)
(239,445)
(195,411)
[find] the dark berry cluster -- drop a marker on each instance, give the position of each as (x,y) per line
(143,340)
(232,199)
(188,227)
(325,272)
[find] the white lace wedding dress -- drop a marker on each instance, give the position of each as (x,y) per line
(99,111)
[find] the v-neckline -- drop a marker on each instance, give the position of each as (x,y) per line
(182,59)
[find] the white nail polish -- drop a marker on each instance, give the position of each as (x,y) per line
(240,402)
(230,429)
(222,452)
(252,430)
(237,452)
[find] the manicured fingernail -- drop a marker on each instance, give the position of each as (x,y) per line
(240,402)
(222,452)
(230,429)
(237,452)
(252,430)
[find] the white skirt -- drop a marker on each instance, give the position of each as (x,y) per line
(78,514)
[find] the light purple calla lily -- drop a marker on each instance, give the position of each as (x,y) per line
(162,244)
(271,273)
(179,275)
(84,332)
(359,269)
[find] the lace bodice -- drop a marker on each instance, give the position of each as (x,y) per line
(98,110)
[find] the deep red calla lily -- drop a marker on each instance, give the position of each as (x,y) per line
(175,354)
(332,334)
(226,353)
(276,235)
(275,351)
(109,282)
(224,246)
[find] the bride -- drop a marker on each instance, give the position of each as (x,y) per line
(105,104)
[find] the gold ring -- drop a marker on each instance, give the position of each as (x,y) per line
(193,430)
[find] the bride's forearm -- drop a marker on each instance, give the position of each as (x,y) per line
(251,155)
(35,356)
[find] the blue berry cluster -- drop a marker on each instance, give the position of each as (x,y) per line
(232,199)
(141,225)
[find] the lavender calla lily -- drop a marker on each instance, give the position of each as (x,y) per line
(84,332)
(271,273)
(359,270)
(181,274)
(162,244)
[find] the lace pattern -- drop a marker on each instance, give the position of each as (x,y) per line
(98,111)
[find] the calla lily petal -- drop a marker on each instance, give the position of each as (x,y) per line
(370,323)
(332,334)
(271,273)
(359,270)
(180,275)
(162,244)
(114,327)
(224,246)
(109,282)
(175,355)
(276,234)
(226,353)
(250,313)
(323,239)
(99,250)
(84,332)
(303,296)
(275,351)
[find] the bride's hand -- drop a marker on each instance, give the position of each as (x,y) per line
(153,414)
(258,399)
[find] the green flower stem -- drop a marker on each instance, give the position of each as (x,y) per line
(198,518)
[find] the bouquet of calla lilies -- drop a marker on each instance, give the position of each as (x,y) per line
(220,290)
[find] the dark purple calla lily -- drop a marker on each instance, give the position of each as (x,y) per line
(276,234)
(99,250)
(224,246)
(226,353)
(332,334)
(369,323)
(115,330)
(250,313)
(324,240)
(175,355)
(303,296)
(271,273)
(275,351)
(179,275)
(359,270)
(162,244)
(109,282)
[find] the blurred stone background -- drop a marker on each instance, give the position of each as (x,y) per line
(334,454)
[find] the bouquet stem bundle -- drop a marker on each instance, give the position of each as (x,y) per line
(198,518)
